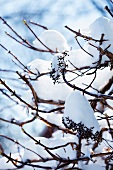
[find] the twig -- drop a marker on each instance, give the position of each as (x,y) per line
(83,36)
(16,142)
(111,1)
(99,95)
(103,52)
(83,48)
(108,10)
(23,40)
(92,80)
(34,23)
(17,40)
(52,110)
(24,21)
(9,52)
(39,143)
(31,88)
(17,96)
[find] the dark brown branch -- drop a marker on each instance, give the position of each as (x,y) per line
(99,95)
(56,126)
(108,10)
(9,52)
(83,36)
(39,143)
(4,22)
(18,123)
(5,70)
(13,93)
(103,52)
(3,91)
(57,103)
(37,76)
(101,39)
(31,88)
(107,86)
(92,80)
(23,40)
(37,37)
(83,48)
(16,142)
(51,110)
(15,161)
(17,40)
(67,162)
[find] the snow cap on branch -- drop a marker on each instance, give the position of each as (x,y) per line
(39,65)
(53,40)
(104,26)
(78,109)
(45,89)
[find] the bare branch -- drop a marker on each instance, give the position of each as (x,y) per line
(34,23)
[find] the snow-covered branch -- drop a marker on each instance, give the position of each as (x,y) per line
(59,112)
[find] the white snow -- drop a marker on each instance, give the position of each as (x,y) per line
(45,89)
(102,25)
(79,58)
(58,63)
(69,152)
(53,39)
(52,117)
(39,66)
(78,109)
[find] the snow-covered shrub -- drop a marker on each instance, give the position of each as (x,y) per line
(62,117)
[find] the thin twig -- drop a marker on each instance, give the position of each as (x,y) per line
(34,23)
(99,95)
(82,47)
(83,36)
(108,10)
(24,21)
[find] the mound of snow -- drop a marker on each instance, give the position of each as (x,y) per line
(54,40)
(78,109)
